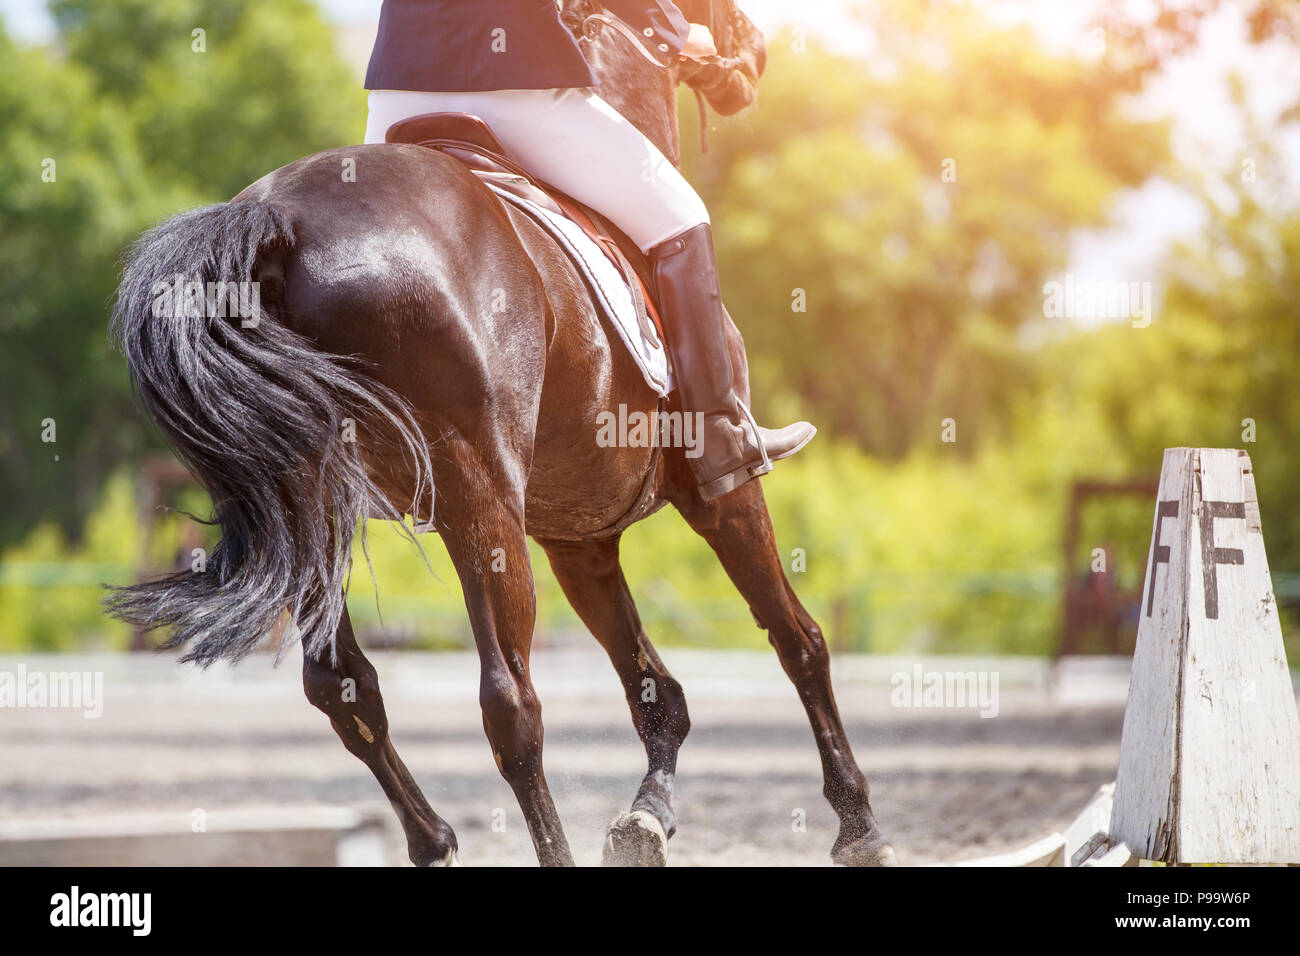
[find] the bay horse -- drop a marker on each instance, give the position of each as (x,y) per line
(421,349)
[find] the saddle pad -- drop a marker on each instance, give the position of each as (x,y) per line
(609,290)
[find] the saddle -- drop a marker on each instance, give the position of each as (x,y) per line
(468,139)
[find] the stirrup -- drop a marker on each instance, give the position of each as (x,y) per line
(732,480)
(766,465)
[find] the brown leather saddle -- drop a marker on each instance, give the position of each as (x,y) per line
(467,138)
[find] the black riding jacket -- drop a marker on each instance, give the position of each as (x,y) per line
(456,46)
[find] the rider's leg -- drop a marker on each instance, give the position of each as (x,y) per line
(577,142)
(734,447)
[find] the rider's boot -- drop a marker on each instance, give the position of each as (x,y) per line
(733,448)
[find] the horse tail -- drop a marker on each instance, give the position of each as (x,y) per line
(260,417)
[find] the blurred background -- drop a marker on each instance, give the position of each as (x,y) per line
(889,219)
(913,224)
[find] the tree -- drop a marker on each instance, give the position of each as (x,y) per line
(145,122)
(914,205)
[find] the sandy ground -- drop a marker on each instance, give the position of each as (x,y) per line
(946,783)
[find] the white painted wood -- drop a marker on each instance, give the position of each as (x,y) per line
(1146,762)
(1091,828)
(281,836)
(1210,756)
(1119,855)
(1240,776)
(1049,851)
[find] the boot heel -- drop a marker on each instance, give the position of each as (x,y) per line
(725,484)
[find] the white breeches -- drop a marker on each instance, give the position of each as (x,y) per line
(576,141)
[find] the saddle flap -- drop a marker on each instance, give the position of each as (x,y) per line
(468,139)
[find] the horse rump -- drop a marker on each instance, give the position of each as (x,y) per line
(266,422)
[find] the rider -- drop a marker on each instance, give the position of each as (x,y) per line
(514,64)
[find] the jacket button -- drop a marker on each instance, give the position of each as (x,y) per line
(663,48)
(648,31)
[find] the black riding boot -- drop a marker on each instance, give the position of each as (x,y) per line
(733,447)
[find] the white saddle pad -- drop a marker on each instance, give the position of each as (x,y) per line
(611,292)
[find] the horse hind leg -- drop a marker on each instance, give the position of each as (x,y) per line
(738,528)
(481,525)
(348,693)
(592,580)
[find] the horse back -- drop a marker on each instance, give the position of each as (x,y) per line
(471,313)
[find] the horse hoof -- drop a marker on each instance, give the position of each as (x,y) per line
(870,850)
(635,839)
(451,859)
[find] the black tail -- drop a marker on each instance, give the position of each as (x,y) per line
(259,416)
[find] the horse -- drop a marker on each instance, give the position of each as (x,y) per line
(421,350)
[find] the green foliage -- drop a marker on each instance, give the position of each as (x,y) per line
(923,296)
(139,126)
(918,209)
(50,589)
(73,190)
(266,89)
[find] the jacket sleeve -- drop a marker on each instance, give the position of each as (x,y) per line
(662,26)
